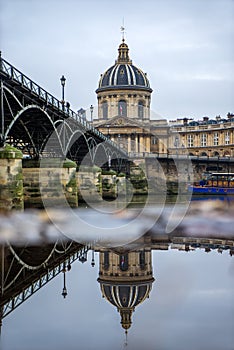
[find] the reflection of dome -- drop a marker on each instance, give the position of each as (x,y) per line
(126,296)
(122,295)
(126,280)
(123,74)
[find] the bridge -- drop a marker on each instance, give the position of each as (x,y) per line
(40,125)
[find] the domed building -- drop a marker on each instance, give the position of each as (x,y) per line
(124,90)
(124,97)
(126,280)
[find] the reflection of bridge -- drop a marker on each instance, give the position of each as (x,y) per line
(30,117)
(25,270)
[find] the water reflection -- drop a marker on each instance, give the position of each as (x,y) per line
(126,277)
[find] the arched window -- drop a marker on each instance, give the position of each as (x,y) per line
(123,262)
(122,108)
(105,110)
(140,109)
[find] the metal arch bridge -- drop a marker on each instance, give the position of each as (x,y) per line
(40,125)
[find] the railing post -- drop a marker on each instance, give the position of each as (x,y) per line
(2,134)
(1,60)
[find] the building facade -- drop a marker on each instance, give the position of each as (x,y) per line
(204,138)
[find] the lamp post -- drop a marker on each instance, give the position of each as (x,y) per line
(108,131)
(63,80)
(119,140)
(91,112)
(64,292)
(93,261)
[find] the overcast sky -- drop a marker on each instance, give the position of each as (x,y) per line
(186,48)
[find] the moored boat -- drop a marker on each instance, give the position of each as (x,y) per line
(215,183)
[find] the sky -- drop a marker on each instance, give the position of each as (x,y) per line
(186,48)
(190,306)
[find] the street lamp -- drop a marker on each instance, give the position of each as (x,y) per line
(91,111)
(63,80)
(118,139)
(108,131)
(64,292)
(93,261)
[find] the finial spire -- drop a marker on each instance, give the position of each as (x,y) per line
(126,339)
(123,56)
(122,28)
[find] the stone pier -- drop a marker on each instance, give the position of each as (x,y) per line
(50,182)
(11,178)
(89,184)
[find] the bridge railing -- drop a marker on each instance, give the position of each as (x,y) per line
(14,74)
(179,156)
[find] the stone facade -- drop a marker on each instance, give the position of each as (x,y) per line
(207,137)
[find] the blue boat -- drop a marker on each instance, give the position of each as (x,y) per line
(214,184)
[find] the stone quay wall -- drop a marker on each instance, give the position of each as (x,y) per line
(56,182)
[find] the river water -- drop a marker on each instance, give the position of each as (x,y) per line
(178,291)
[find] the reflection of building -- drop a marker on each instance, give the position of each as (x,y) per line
(124,97)
(126,279)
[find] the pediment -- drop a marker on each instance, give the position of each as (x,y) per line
(119,121)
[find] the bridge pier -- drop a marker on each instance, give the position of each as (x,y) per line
(11,178)
(89,184)
(49,182)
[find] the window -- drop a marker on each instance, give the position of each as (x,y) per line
(190,140)
(154,140)
(105,110)
(123,262)
(203,140)
(106,260)
(227,138)
(142,259)
(140,109)
(216,139)
(122,108)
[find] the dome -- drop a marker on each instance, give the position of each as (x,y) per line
(123,74)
